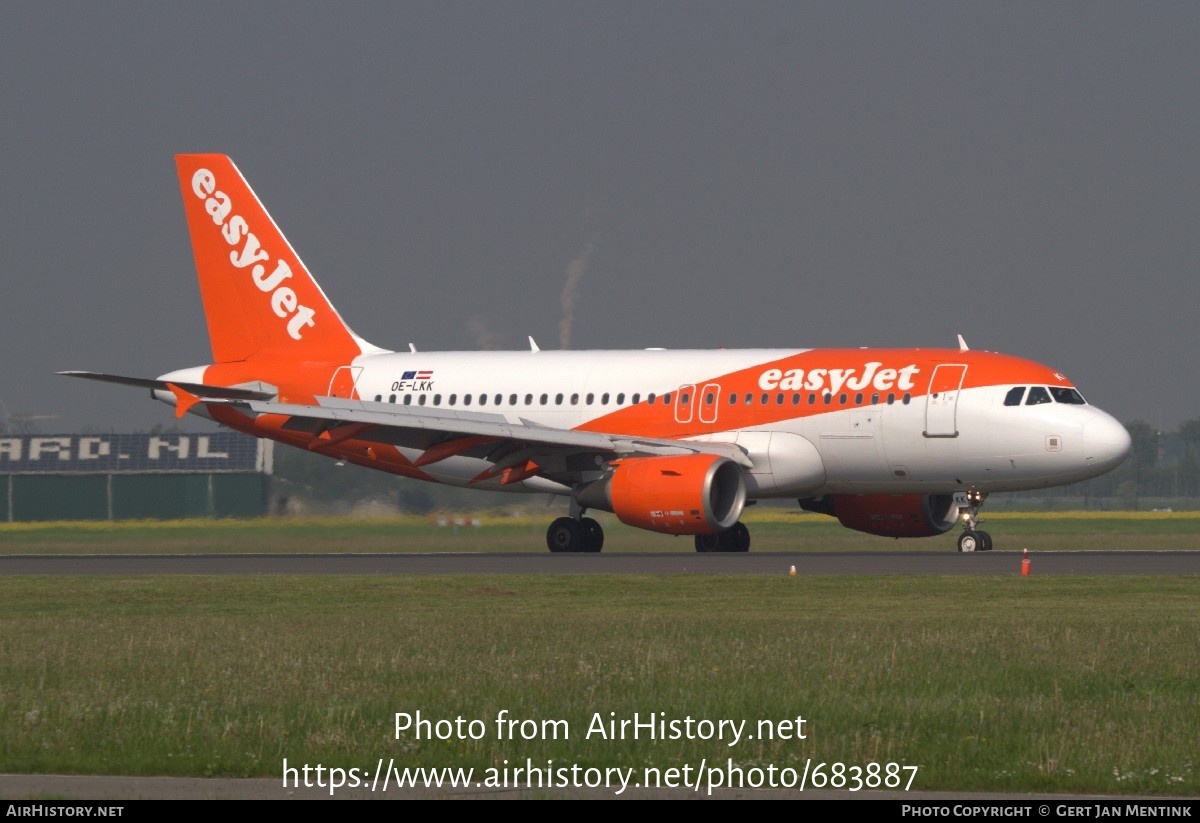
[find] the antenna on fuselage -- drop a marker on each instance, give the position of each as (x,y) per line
(533,346)
(962,344)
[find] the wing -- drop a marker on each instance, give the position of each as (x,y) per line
(518,448)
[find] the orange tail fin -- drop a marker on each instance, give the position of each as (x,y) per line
(259,299)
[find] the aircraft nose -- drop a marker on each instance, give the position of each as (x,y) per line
(1106,440)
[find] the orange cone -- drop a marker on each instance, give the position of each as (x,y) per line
(1025,564)
(792,571)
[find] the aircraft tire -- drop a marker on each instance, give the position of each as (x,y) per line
(969,541)
(737,538)
(708,542)
(593,535)
(565,535)
(985,540)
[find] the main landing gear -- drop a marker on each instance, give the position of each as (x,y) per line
(736,539)
(972,539)
(583,534)
(570,534)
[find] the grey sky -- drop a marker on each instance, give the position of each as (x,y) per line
(729,174)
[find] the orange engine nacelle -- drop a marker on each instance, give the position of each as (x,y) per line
(889,515)
(689,494)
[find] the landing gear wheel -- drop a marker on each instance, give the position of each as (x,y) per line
(970,541)
(985,542)
(736,539)
(593,535)
(565,535)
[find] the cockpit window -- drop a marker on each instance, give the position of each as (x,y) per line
(1013,398)
(1037,395)
(1071,396)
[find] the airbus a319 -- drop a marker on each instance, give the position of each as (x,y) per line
(896,442)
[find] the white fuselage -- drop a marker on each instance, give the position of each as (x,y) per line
(919,441)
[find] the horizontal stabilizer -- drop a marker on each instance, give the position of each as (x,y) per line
(201,390)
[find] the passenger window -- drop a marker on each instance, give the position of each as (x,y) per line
(497,399)
(453,399)
(529,400)
(732,399)
(437,400)
(512,400)
(796,399)
(828,398)
(575,399)
(858,399)
(558,398)
(1037,396)
(591,398)
(483,399)
(420,400)
(874,398)
(545,398)
(812,398)
(779,399)
(842,399)
(392,399)
(1013,398)
(891,398)
(749,399)
(378,398)
(466,399)
(708,399)
(907,398)
(408,399)
(667,399)
(650,397)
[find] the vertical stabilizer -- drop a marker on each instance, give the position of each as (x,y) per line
(259,299)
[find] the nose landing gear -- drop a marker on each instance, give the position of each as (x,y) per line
(972,539)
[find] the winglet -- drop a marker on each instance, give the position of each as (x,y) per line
(962,344)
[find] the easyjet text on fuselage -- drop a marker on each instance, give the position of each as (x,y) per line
(834,380)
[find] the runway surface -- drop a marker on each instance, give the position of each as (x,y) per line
(979,563)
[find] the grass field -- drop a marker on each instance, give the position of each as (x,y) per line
(771,529)
(1069,685)
(1048,684)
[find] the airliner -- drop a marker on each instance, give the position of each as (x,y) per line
(895,442)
